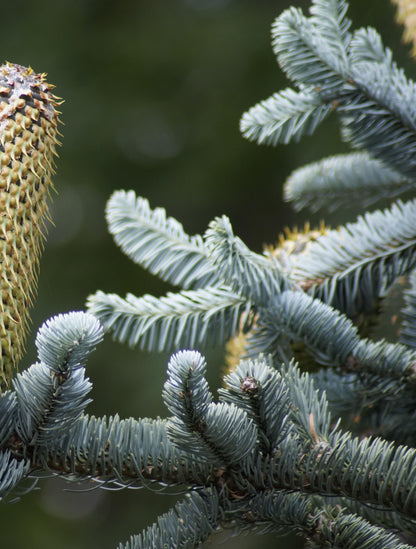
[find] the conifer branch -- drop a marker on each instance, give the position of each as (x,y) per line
(186,319)
(270,453)
(408,330)
(159,243)
(321,527)
(354,533)
(340,179)
(12,471)
(254,276)
(8,410)
(256,387)
(124,452)
(51,395)
(375,515)
(381,371)
(329,335)
(266,513)
(138,452)
(198,424)
(351,267)
(331,19)
(306,55)
(284,117)
(354,75)
(353,467)
(188,524)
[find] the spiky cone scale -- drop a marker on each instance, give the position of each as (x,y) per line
(28,139)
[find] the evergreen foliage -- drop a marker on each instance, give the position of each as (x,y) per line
(328,453)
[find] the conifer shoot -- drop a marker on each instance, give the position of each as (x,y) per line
(28,138)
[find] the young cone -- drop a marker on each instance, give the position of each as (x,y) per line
(28,137)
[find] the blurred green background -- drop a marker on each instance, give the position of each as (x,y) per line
(153,91)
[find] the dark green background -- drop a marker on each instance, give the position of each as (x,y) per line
(153,91)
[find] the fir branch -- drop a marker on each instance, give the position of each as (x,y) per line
(386,370)
(357,77)
(12,471)
(311,460)
(186,319)
(188,524)
(258,389)
(276,512)
(340,179)
(343,391)
(383,127)
(306,56)
(398,95)
(330,526)
(159,243)
(8,411)
(284,117)
(124,452)
(325,461)
(254,276)
(386,360)
(51,395)
(264,513)
(330,17)
(48,404)
(367,46)
(353,532)
(220,434)
(369,471)
(186,393)
(139,451)
(329,336)
(64,342)
(308,411)
(408,330)
(353,266)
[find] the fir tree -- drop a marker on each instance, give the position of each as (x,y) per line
(314,428)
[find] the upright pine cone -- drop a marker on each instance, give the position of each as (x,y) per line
(28,137)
